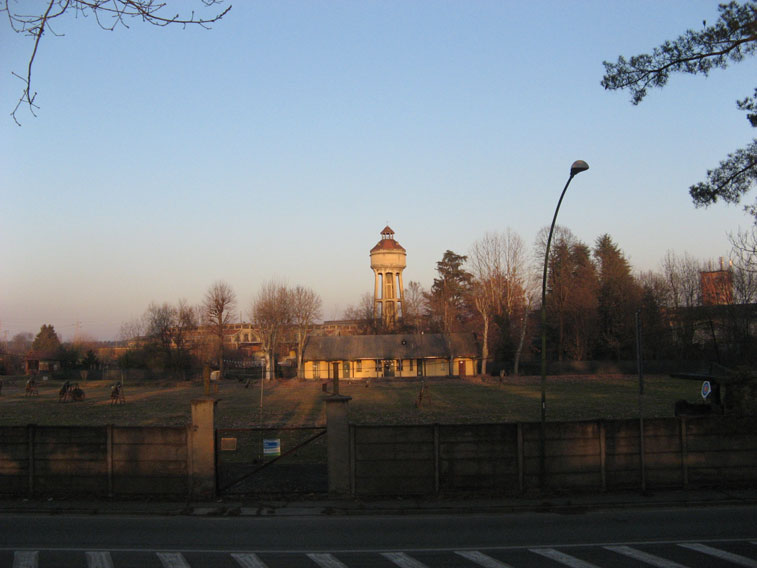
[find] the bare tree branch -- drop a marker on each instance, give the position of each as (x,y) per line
(107,13)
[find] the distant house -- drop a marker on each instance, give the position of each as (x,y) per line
(373,356)
(37,362)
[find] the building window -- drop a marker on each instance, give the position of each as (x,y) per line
(316,369)
(358,366)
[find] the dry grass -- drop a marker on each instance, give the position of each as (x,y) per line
(296,403)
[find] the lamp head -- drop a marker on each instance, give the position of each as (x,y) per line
(578,167)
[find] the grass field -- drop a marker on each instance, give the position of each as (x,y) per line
(296,403)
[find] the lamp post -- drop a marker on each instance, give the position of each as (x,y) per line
(576,168)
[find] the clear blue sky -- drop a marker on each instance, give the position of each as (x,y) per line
(162,160)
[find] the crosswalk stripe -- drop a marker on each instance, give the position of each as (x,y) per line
(98,559)
(249,561)
(25,559)
(403,560)
(729,556)
(172,560)
(562,558)
(482,559)
(326,560)
(642,556)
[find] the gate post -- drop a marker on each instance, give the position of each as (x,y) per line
(338,443)
(202,449)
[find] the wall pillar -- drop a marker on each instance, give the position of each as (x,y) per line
(202,449)
(338,442)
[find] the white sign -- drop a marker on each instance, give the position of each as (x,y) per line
(706,389)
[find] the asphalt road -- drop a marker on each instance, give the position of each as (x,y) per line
(710,536)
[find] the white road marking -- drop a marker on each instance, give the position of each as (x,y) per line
(482,559)
(645,557)
(403,560)
(249,561)
(172,560)
(25,559)
(562,558)
(729,556)
(98,559)
(326,560)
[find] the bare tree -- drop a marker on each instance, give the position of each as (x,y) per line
(414,306)
(160,321)
(363,312)
(682,275)
(218,306)
(497,262)
(271,312)
(131,329)
(108,14)
(744,255)
(306,309)
(21,343)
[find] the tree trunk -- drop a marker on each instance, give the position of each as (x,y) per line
(300,346)
(220,356)
(485,346)
(268,366)
(523,327)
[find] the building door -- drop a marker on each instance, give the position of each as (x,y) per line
(461,368)
(346,370)
(388,368)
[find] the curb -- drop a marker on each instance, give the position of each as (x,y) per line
(574,505)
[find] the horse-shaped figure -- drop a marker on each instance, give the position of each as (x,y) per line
(65,394)
(77,394)
(117,394)
(31,388)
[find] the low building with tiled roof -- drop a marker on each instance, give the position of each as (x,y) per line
(402,355)
(36,362)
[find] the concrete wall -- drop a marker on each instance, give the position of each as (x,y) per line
(580,456)
(100,461)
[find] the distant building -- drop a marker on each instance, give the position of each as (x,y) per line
(36,362)
(717,287)
(388,260)
(374,356)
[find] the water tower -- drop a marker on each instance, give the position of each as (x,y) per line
(388,260)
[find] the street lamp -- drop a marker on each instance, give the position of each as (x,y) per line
(577,167)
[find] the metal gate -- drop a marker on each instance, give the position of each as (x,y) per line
(271,461)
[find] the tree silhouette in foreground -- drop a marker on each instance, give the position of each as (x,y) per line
(729,40)
(108,14)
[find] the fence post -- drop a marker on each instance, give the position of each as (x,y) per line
(202,450)
(521,461)
(30,430)
(109,457)
(642,455)
(603,454)
(338,443)
(437,460)
(684,452)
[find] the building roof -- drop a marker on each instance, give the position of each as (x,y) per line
(41,356)
(402,346)
(388,244)
(387,241)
